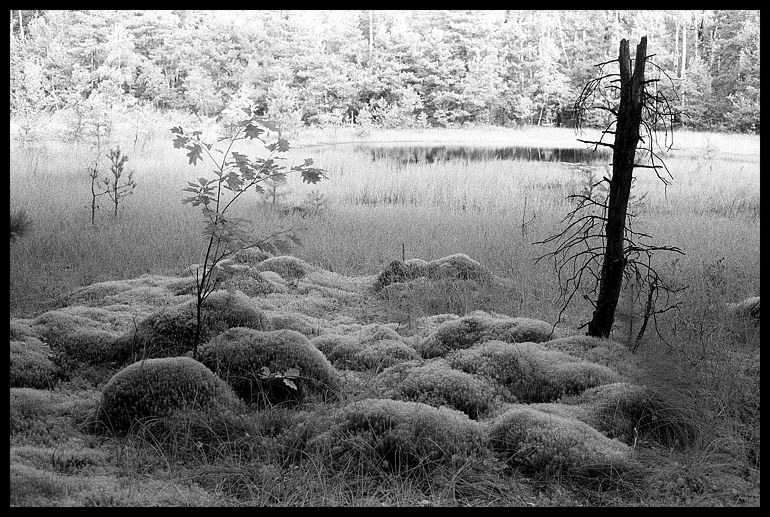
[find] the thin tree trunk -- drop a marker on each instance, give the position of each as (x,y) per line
(21,27)
(683,69)
(371,32)
(561,38)
(676,46)
(626,139)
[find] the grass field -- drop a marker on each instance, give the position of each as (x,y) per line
(493,211)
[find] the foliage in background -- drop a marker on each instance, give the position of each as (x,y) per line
(396,68)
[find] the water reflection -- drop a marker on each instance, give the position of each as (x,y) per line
(445,153)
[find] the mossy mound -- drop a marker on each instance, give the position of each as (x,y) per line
(296,321)
(630,412)
(458,266)
(140,293)
(44,417)
(247,360)
(400,271)
(290,268)
(154,388)
(398,435)
(31,365)
(607,352)
(171,331)
(371,347)
(531,372)
(478,327)
(455,267)
(350,352)
(437,384)
(81,343)
(544,442)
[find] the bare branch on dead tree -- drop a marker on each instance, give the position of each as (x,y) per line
(581,251)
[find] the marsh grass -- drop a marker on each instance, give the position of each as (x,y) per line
(706,362)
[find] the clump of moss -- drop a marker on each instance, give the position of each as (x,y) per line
(240,357)
(606,352)
(459,266)
(400,271)
(453,267)
(20,329)
(31,365)
(398,435)
(294,321)
(437,384)
(372,347)
(290,268)
(88,354)
(349,352)
(171,331)
(553,444)
(530,371)
(49,417)
(630,412)
(478,327)
(80,343)
(154,388)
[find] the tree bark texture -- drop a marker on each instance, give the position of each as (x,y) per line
(626,140)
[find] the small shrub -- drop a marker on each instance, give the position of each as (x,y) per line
(530,371)
(398,435)
(553,444)
(437,384)
(30,365)
(239,356)
(154,388)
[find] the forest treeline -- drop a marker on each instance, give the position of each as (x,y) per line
(392,68)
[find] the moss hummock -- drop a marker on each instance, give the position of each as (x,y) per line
(397,435)
(480,326)
(531,372)
(31,365)
(171,331)
(154,388)
(550,443)
(241,355)
(435,383)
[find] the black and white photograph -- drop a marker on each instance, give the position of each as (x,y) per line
(384,258)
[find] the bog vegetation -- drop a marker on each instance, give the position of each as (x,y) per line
(403,351)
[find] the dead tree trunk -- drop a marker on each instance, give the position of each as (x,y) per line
(629,118)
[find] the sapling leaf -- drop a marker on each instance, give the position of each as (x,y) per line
(290,383)
(252,131)
(195,154)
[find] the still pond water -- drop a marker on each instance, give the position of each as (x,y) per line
(405,154)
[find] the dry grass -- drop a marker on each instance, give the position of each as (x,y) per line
(375,212)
